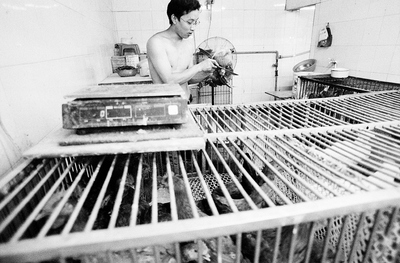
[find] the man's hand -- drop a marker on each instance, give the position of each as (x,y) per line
(208,65)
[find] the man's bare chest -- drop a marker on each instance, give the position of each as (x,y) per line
(179,57)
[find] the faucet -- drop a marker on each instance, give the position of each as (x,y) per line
(333,62)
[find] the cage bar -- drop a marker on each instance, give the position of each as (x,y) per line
(218,95)
(298,114)
(323,86)
(328,193)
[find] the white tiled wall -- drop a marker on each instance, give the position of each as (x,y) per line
(48,48)
(366,37)
(250,25)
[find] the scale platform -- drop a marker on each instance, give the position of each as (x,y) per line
(135,139)
(125,105)
(123,119)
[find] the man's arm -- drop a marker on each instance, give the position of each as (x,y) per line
(200,76)
(158,57)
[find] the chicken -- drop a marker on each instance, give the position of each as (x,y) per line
(233,190)
(125,208)
(9,187)
(324,93)
(224,57)
(163,213)
(216,160)
(223,74)
(65,212)
(190,252)
(267,245)
(250,170)
(147,181)
(141,255)
(228,250)
(269,235)
(52,204)
(182,202)
(146,254)
(185,212)
(242,205)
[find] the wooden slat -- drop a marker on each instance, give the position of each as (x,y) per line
(123,91)
(64,142)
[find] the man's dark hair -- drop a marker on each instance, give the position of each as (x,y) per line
(181,7)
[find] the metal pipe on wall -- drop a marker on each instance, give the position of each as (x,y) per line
(295,55)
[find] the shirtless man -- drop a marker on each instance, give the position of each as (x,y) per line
(170,52)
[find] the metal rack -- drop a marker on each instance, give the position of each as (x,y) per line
(323,86)
(326,192)
(298,114)
(219,95)
(292,181)
(222,95)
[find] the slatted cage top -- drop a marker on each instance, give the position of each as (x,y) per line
(323,86)
(351,82)
(298,114)
(77,207)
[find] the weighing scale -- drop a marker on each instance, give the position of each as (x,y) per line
(125,105)
(118,119)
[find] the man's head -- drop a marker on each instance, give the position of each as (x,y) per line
(179,8)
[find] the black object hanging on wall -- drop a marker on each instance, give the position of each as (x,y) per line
(325,37)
